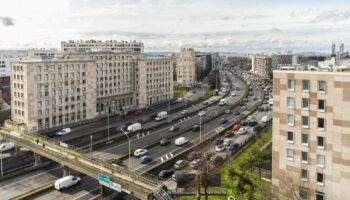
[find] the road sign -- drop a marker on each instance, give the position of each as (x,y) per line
(103,178)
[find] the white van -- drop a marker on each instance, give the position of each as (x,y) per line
(66,182)
(64,131)
(6,146)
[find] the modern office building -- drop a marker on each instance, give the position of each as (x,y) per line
(263,66)
(311,134)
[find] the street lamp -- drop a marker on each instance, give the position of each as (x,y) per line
(129,139)
(107,110)
(200,124)
(91,146)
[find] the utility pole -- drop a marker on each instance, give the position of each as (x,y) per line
(216,78)
(169,112)
(90,146)
(2,173)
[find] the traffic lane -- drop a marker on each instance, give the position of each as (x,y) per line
(29,181)
(108,151)
(88,188)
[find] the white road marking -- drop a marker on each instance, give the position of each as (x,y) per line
(171,154)
(161,158)
(167,156)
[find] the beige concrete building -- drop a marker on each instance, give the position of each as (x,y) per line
(311,135)
(263,66)
(186,68)
(52,93)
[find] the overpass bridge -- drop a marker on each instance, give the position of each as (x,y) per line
(138,185)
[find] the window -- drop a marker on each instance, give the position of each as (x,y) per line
(40,112)
(304,139)
(305,86)
(320,142)
(290,137)
(290,102)
(320,179)
(320,160)
(321,105)
(290,120)
(320,195)
(291,85)
(304,174)
(305,103)
(290,154)
(39,104)
(322,86)
(320,123)
(304,157)
(303,193)
(305,121)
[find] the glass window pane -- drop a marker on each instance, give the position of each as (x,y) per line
(290,102)
(304,139)
(305,103)
(305,85)
(320,160)
(321,86)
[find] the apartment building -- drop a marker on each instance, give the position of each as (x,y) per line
(263,66)
(311,135)
(186,69)
(50,93)
(98,45)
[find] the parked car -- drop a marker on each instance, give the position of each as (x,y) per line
(242,131)
(233,94)
(255,98)
(250,117)
(138,112)
(243,108)
(243,123)
(179,100)
(195,163)
(227,142)
(261,109)
(223,121)
(180,164)
(184,112)
(165,141)
(140,152)
(173,128)
(219,148)
(229,133)
(205,103)
(233,146)
(66,182)
(201,113)
(236,113)
(265,102)
(257,128)
(165,173)
(173,101)
(230,198)
(218,141)
(216,159)
(181,141)
(145,159)
(236,127)
(64,131)
(193,155)
(227,111)
(195,128)
(175,174)
(241,104)
(7,146)
(252,122)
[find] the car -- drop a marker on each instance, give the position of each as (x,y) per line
(257,128)
(64,131)
(243,108)
(229,133)
(236,113)
(184,112)
(195,163)
(233,94)
(7,146)
(145,159)
(116,162)
(218,141)
(165,141)
(177,172)
(195,128)
(236,127)
(215,159)
(242,131)
(261,109)
(265,102)
(219,148)
(243,123)
(245,100)
(165,173)
(66,182)
(180,164)
(223,121)
(193,155)
(228,111)
(201,113)
(212,100)
(250,117)
(140,152)
(268,108)
(227,142)
(205,103)
(179,100)
(181,141)
(138,112)
(51,135)
(241,103)
(255,98)
(230,198)
(173,128)
(252,122)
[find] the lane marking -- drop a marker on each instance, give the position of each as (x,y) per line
(167,157)
(171,154)
(161,158)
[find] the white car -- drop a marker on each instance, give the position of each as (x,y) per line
(6,146)
(242,131)
(250,117)
(233,94)
(181,141)
(184,112)
(219,147)
(140,152)
(201,113)
(64,131)
(178,100)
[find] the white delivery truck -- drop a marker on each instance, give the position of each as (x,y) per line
(161,115)
(66,182)
(222,102)
(6,146)
(134,127)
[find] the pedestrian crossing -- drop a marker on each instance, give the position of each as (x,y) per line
(219,129)
(185,119)
(141,135)
(166,157)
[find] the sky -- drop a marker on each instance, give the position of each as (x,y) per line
(167,25)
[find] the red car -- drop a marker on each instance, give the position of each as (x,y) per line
(236,127)
(138,112)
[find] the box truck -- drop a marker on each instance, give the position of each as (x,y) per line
(66,182)
(134,127)
(222,102)
(161,115)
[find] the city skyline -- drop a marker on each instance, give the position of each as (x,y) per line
(167,25)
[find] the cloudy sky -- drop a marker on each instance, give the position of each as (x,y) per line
(167,25)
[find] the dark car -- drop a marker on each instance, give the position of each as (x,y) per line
(51,135)
(257,128)
(243,123)
(223,121)
(153,116)
(195,127)
(165,173)
(261,109)
(173,128)
(145,159)
(205,103)
(268,108)
(255,98)
(173,101)
(252,122)
(233,146)
(118,162)
(165,141)
(236,113)
(193,155)
(246,100)
(218,141)
(229,133)
(216,159)
(241,103)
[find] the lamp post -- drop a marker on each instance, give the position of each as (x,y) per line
(200,124)
(129,146)
(107,110)
(91,146)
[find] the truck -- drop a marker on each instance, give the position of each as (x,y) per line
(66,182)
(7,146)
(161,115)
(222,102)
(134,127)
